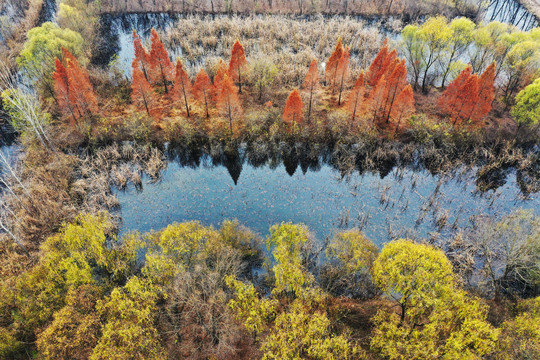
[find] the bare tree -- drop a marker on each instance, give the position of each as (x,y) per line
(500,257)
(199,322)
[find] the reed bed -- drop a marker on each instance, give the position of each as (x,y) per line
(289,43)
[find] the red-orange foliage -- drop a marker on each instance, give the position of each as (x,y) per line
(141,55)
(238,64)
(332,65)
(182,85)
(380,65)
(202,88)
(447,99)
(395,83)
(357,104)
(377,95)
(343,71)
(388,87)
(228,101)
(460,100)
(467,99)
(142,92)
(218,78)
(61,88)
(161,67)
(294,108)
(404,106)
(311,83)
(75,92)
(486,93)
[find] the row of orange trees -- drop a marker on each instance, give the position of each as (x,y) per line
(382,94)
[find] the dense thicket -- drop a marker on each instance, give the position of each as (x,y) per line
(189,291)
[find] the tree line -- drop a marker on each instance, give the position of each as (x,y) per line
(382,95)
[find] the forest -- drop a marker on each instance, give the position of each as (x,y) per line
(269,179)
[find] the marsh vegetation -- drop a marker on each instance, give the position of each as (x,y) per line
(269,179)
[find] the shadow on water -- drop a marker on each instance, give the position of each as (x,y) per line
(263,184)
(48,11)
(511,12)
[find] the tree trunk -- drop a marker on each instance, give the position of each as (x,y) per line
(185,100)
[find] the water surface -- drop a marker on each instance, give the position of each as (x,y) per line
(405,202)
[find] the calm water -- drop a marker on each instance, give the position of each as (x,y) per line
(403,203)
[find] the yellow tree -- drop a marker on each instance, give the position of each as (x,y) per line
(287,242)
(437,320)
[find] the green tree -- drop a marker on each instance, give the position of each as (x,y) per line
(263,73)
(428,44)
(520,64)
(437,320)
(43,45)
(82,17)
(254,312)
(527,108)
(461,36)
(83,253)
(25,113)
(488,45)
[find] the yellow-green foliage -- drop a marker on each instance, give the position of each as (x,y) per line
(527,108)
(437,320)
(287,242)
(69,259)
(254,312)
(301,333)
(184,242)
(43,44)
(239,237)
(129,331)
(82,17)
(413,272)
(437,42)
(520,336)
(75,330)
(178,246)
(353,250)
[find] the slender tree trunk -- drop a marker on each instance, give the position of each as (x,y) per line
(185,99)
(14,238)
(206,104)
(239,80)
(310,102)
(341,87)
(391,105)
(399,121)
(164,79)
(146,105)
(230,113)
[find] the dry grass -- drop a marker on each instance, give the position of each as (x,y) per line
(60,186)
(289,43)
